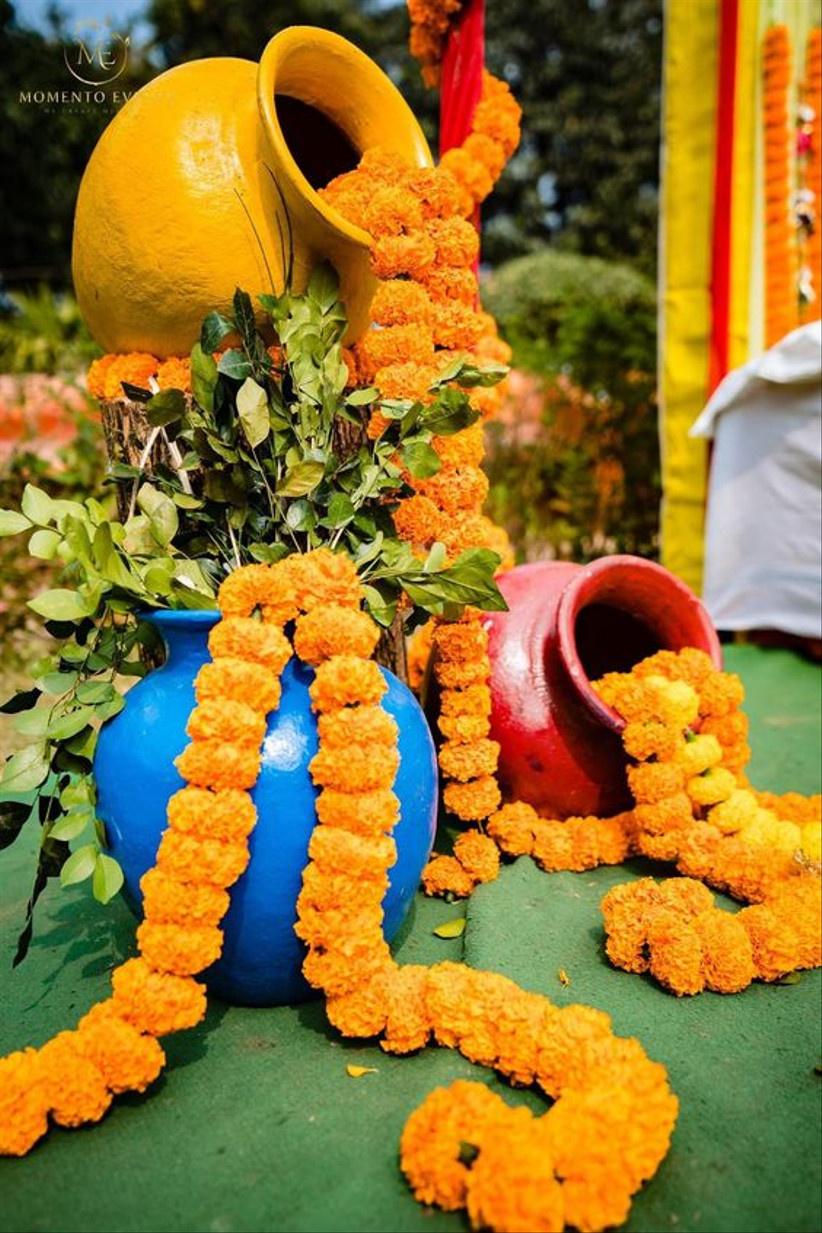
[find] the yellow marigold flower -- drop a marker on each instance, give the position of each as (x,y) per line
(699,754)
(418,521)
(444,875)
(362,813)
(472,801)
(245,638)
(175,374)
(355,769)
(96,383)
(361,725)
(454,241)
(226,721)
(464,762)
(478,855)
(128,1060)
(333,630)
(183,950)
(227,816)
(732,814)
(337,851)
(73,1086)
(172,901)
(135,369)
(215,862)
(400,303)
(237,680)
(219,764)
(156,1002)
(23,1103)
(512,827)
(811,841)
(711,787)
(346,680)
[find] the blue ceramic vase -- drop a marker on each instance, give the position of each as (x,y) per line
(134,768)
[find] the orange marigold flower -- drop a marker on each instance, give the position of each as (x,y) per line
(727,956)
(469,172)
(460,641)
(364,1011)
(394,344)
(485,150)
(454,241)
(720,693)
(391,211)
(460,676)
(464,762)
(463,449)
(670,814)
(96,383)
(246,589)
(73,1086)
(512,1184)
(472,801)
(512,827)
(227,816)
(398,302)
(418,520)
(362,813)
(407,1024)
(135,369)
(237,680)
(324,577)
(172,901)
(433,1139)
(23,1103)
(774,942)
(346,680)
(128,1060)
(175,374)
(456,325)
(462,729)
(473,700)
(156,1002)
(358,856)
(226,721)
(444,875)
(645,739)
(436,190)
(215,862)
(360,725)
(553,845)
(183,950)
(403,254)
(478,855)
(500,124)
(333,630)
(219,764)
(654,781)
(245,638)
(455,488)
(355,769)
(406,380)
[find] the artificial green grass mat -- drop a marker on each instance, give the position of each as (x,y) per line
(256,1125)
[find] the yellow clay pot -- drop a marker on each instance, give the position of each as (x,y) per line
(199,181)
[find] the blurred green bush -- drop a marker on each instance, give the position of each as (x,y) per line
(43,332)
(574,458)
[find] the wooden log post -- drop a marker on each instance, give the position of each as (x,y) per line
(130,439)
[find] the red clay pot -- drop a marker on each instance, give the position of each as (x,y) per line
(560,746)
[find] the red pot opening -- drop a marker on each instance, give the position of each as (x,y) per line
(616,612)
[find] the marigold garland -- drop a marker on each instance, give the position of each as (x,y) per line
(812,308)
(781,292)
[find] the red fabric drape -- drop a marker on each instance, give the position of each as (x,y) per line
(461,73)
(723,186)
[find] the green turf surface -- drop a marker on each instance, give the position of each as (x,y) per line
(257,1126)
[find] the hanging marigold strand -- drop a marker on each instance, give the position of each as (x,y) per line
(812,310)
(781,290)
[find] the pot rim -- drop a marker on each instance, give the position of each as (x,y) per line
(335,47)
(192,617)
(586,587)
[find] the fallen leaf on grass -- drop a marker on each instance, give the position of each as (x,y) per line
(563,977)
(451,928)
(357,1072)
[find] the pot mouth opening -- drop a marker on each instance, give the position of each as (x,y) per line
(319,147)
(619,611)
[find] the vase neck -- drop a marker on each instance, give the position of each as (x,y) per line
(184,634)
(616,612)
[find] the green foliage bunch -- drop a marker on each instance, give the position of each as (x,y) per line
(255,469)
(585,479)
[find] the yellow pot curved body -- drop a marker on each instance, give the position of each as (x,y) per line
(206,180)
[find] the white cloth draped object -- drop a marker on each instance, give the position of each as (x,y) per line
(763,536)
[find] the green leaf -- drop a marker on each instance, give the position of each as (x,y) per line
(66,726)
(214,329)
(167,407)
(12,523)
(25,770)
(106,879)
(340,511)
(790,978)
(323,286)
(301,516)
(301,479)
(161,512)
(57,683)
(449,414)
(451,928)
(184,500)
(235,365)
(483,375)
(203,377)
(268,554)
(421,460)
(43,544)
(72,824)
(244,318)
(435,559)
(79,866)
(33,723)
(60,605)
(363,398)
(37,505)
(252,408)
